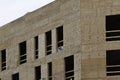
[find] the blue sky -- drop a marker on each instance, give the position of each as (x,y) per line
(13,9)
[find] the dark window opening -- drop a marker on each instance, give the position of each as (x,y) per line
(22,57)
(60,33)
(113,57)
(69,67)
(72,78)
(22,48)
(50,71)
(69,63)
(15,76)
(113,74)
(49,48)
(48,42)
(36,47)
(48,38)
(115,68)
(69,74)
(112,22)
(113,39)
(113,62)
(60,38)
(110,34)
(3,59)
(113,28)
(37,73)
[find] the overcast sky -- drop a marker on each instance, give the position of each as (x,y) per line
(13,9)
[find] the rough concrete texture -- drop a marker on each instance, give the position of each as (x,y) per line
(84,37)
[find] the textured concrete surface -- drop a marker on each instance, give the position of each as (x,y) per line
(84,37)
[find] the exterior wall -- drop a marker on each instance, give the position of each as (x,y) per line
(94,45)
(84,37)
(60,12)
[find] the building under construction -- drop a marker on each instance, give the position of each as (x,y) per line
(64,40)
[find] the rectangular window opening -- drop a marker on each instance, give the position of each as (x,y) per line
(38,73)
(3,59)
(23,56)
(69,68)
(60,38)
(50,71)
(15,76)
(48,42)
(112,62)
(36,47)
(112,28)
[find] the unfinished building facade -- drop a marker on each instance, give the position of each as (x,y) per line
(65,40)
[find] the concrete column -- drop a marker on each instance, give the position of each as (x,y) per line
(42,45)
(30,50)
(58,69)
(77,66)
(54,44)
(44,71)
(27,73)
(12,57)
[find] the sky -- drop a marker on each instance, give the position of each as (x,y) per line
(13,9)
